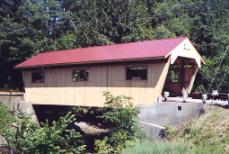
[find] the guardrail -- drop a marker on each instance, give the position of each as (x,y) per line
(199,95)
(221,96)
(11,92)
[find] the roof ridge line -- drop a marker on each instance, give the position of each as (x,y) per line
(64,50)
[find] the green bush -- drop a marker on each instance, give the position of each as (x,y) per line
(6,118)
(123,116)
(28,137)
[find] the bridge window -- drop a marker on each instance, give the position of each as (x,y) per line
(173,74)
(80,75)
(136,73)
(188,66)
(38,77)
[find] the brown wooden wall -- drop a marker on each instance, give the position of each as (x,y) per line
(59,89)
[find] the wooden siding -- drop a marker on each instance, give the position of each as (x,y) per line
(59,89)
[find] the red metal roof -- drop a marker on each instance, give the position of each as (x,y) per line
(150,49)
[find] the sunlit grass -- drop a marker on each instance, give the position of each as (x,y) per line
(208,134)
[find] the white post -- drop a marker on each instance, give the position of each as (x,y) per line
(228,99)
(184,94)
(204,98)
(166,95)
(214,94)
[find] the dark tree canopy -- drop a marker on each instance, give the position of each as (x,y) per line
(28,27)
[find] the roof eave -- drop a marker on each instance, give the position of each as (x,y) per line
(18,67)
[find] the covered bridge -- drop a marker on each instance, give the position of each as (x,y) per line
(142,70)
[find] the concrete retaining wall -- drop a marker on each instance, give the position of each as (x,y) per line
(15,102)
(167,113)
(11,98)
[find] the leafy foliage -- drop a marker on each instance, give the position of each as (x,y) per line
(28,137)
(5,118)
(119,115)
(123,116)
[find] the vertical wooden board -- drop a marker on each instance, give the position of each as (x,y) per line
(143,92)
(49,82)
(161,82)
(97,74)
(26,78)
(192,79)
(117,73)
(60,89)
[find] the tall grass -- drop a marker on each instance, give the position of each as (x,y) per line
(206,135)
(172,147)
(150,147)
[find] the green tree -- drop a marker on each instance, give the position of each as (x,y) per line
(29,27)
(28,137)
(123,116)
(32,27)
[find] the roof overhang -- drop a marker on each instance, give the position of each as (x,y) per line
(151,50)
(148,59)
